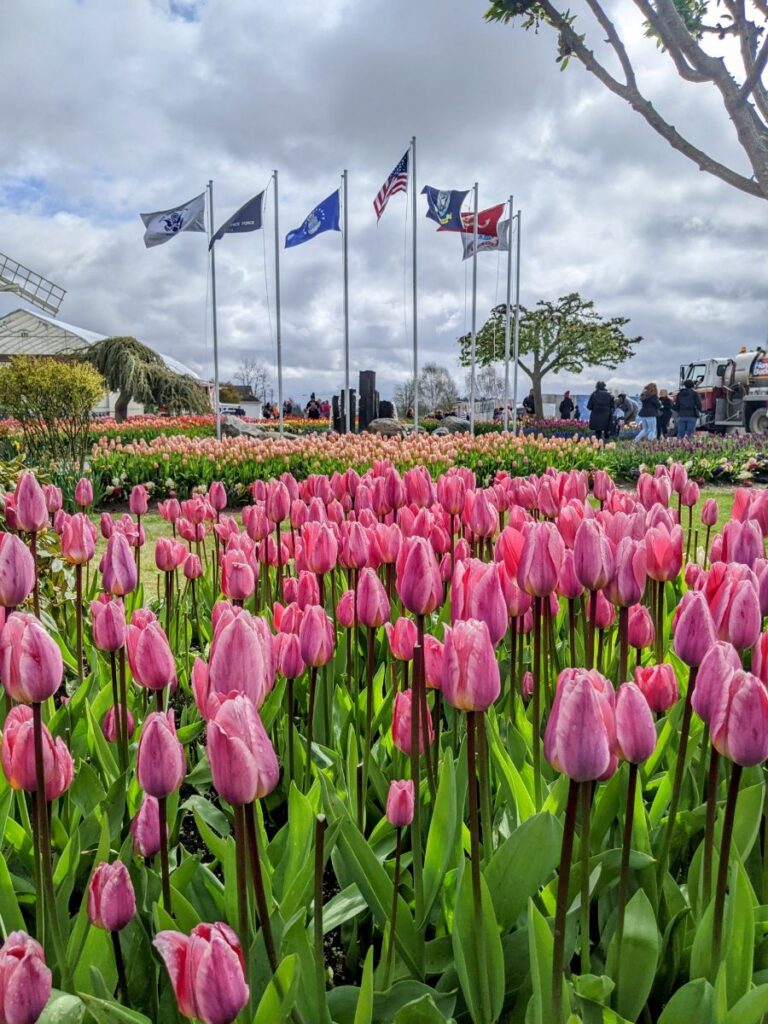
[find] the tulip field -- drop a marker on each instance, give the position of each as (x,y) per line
(385,746)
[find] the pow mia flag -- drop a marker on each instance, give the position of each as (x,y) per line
(247,218)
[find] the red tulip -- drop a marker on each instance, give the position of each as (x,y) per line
(149,653)
(400,802)
(160,762)
(145,827)
(17,571)
(118,567)
(25,981)
(30,504)
(739,723)
(635,729)
(111,899)
(207,972)
(659,686)
(581,730)
(401,723)
(243,763)
(31,667)
(471,679)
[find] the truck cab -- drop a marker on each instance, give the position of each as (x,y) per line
(733,392)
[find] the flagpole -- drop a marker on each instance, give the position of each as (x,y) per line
(345,240)
(517,316)
(474,319)
(277,312)
(217,405)
(508,317)
(415,318)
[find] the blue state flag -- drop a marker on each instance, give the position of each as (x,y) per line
(445,207)
(324,217)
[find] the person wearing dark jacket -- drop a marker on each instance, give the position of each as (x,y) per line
(650,409)
(687,405)
(566,406)
(529,404)
(662,423)
(600,407)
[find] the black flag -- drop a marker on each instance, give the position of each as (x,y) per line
(247,218)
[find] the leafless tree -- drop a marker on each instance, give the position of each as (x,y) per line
(254,373)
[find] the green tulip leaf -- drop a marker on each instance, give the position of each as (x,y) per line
(421,1011)
(694,1003)
(478,952)
(639,956)
(280,996)
(529,856)
(364,1008)
(440,852)
(62,1008)
(107,1011)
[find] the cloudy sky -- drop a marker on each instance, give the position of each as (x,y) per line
(121,108)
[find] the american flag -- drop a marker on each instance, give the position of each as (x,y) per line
(396,182)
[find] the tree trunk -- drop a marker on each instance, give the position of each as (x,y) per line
(536,384)
(121,407)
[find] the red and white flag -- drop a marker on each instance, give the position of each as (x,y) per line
(396,182)
(487,221)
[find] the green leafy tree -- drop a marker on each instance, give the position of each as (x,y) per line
(229,393)
(52,399)
(720,45)
(566,335)
(136,372)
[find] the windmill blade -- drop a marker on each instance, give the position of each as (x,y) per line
(36,289)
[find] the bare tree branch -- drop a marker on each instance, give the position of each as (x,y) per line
(616,42)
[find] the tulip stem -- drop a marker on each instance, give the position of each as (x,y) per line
(44,836)
(486,812)
(370,657)
(416,826)
(709,828)
(36,589)
(164,871)
(320,827)
(241,875)
(290,703)
(591,629)
(122,983)
(677,783)
(258,885)
(722,872)
(116,710)
(79,619)
(310,717)
(169,602)
(474,857)
(660,623)
(420,695)
(623,644)
(563,879)
(572,629)
(706,546)
(512,666)
(537,701)
(586,806)
(124,704)
(626,849)
(393,920)
(37,847)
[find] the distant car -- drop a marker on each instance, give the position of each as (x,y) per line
(231,410)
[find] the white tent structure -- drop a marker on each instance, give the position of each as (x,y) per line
(26,333)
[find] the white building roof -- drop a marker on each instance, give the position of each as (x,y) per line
(27,333)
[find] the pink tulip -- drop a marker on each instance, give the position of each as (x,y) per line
(593,559)
(110,723)
(433,662)
(170,554)
(307,589)
(288,655)
(540,559)
(17,571)
(659,686)
(471,679)
(739,723)
(149,653)
(31,667)
(345,610)
(717,666)
(640,628)
(480,515)
(372,600)
(694,629)
(418,577)
(418,487)
(690,494)
(760,658)
(476,594)
(170,510)
(605,613)
(108,624)
(320,546)
(568,584)
(241,658)
(118,567)
(602,485)
(160,761)
(509,549)
(84,492)
(635,729)
(145,828)
(742,542)
(316,637)
(401,723)
(664,553)
(193,567)
(709,512)
(54,499)
(17,753)
(31,507)
(25,981)
(400,802)
(138,502)
(732,594)
(78,539)
(217,495)
(450,493)
(207,972)
(238,580)
(278,504)
(111,899)
(581,730)
(402,637)
(243,763)
(628,584)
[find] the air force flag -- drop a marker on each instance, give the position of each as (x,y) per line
(324,217)
(444,207)
(247,218)
(163,225)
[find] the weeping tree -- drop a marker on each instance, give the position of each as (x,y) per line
(136,372)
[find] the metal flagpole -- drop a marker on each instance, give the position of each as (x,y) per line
(474,320)
(277,311)
(345,240)
(517,316)
(217,406)
(415,319)
(508,317)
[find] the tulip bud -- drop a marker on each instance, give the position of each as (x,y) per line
(640,629)
(111,899)
(739,723)
(31,667)
(593,559)
(288,653)
(243,763)
(193,567)
(160,762)
(17,571)
(217,495)
(659,686)
(694,630)
(400,801)
(372,600)
(540,559)
(581,730)
(138,502)
(345,609)
(149,653)
(401,723)
(145,828)
(471,679)
(402,637)
(418,577)
(25,981)
(84,492)
(118,567)
(109,725)
(635,729)
(709,512)
(31,508)
(316,637)
(278,504)
(527,685)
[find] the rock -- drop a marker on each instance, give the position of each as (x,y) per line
(455,424)
(233,426)
(386,427)
(441,432)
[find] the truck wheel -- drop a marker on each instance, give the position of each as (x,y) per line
(758,420)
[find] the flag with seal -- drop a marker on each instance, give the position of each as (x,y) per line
(486,243)
(163,225)
(324,217)
(445,207)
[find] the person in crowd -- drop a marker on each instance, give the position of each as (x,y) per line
(313,408)
(662,423)
(566,406)
(288,407)
(628,407)
(687,405)
(325,409)
(650,410)
(529,403)
(600,407)
(266,411)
